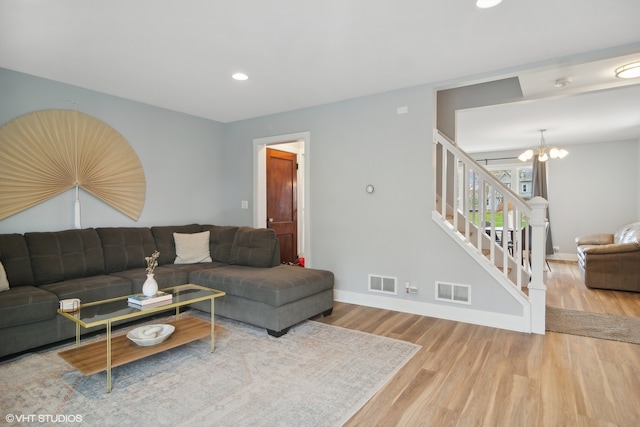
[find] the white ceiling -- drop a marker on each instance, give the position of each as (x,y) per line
(180,55)
(595,107)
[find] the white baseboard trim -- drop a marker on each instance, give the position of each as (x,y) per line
(560,256)
(446,312)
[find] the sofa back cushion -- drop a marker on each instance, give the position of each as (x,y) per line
(629,233)
(165,242)
(125,248)
(221,239)
(254,247)
(14,256)
(64,255)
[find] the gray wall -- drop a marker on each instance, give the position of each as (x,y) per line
(199,171)
(593,190)
(182,157)
(353,234)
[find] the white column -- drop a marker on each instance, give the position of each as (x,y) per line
(537,287)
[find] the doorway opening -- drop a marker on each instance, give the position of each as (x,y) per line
(300,144)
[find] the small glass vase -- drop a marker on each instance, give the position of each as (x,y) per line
(150,286)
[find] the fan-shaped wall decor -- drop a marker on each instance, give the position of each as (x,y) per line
(45,153)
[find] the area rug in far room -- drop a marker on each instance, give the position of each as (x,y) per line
(316,375)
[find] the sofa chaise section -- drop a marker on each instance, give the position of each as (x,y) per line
(275,298)
(262,292)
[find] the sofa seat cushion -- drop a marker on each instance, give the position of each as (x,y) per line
(164,276)
(26,304)
(90,289)
(274,286)
(188,268)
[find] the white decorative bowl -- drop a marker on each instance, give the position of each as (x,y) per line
(150,334)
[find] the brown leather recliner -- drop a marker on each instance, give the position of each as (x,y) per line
(611,261)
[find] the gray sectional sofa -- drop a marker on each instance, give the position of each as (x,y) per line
(93,264)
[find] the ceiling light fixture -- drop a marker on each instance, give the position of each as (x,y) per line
(543,156)
(564,81)
(486,4)
(629,71)
(240,76)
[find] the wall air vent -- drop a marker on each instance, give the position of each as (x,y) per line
(451,292)
(383,284)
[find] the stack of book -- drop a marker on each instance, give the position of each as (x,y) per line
(143,301)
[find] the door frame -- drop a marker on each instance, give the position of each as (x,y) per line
(260,186)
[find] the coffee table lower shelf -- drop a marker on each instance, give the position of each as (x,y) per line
(92,358)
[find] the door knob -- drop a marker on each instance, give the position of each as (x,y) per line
(270,219)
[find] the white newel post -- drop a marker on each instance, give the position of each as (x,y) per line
(537,287)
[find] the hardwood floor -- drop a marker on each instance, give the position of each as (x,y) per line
(467,375)
(566,289)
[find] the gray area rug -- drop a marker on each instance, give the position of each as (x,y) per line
(316,375)
(596,325)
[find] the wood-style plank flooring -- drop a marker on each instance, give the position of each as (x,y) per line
(566,289)
(467,375)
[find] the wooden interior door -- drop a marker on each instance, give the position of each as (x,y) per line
(282,206)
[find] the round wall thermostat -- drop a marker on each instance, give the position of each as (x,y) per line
(370,189)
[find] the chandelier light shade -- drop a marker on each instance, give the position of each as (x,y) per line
(629,71)
(544,153)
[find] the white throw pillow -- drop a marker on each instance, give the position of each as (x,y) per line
(192,248)
(4,283)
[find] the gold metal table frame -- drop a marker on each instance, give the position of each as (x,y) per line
(90,358)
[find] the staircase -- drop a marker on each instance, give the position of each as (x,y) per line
(500,230)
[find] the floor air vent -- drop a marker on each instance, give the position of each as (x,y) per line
(386,285)
(452,292)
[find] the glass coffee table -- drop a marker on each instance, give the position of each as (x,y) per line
(116,351)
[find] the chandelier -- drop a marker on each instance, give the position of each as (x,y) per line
(543,152)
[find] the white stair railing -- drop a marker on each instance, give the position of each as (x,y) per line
(493,220)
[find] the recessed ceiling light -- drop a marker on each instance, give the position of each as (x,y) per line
(486,4)
(240,76)
(629,71)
